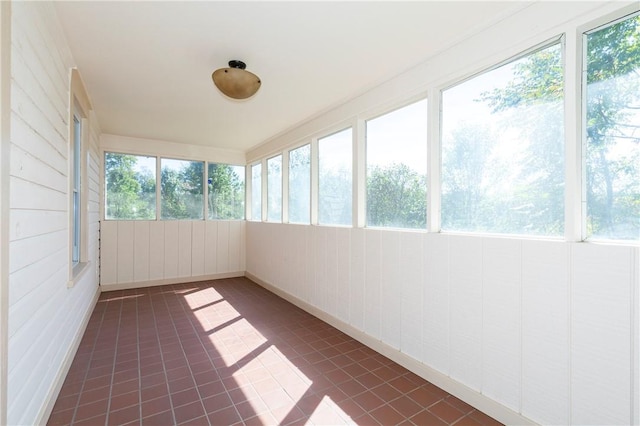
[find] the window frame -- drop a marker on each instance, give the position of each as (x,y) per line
(79,112)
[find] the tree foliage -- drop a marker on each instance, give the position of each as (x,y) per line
(182,191)
(396,197)
(226,192)
(130,193)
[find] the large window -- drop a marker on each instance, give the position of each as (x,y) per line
(612,131)
(274,189)
(181,189)
(130,182)
(256,192)
(397,168)
(335,179)
(300,184)
(225,191)
(503,149)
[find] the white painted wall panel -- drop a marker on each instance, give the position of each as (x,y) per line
(465,304)
(156,250)
(390,288)
(184,248)
(46,316)
(171,248)
(330,271)
(357,287)
(141,251)
(236,238)
(372,303)
(211,247)
(545,331)
(197,248)
(501,320)
(436,302)
(600,339)
(343,270)
(109,252)
(411,284)
(125,252)
(222,248)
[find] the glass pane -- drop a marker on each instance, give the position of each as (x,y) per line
(274,189)
(130,182)
(300,185)
(335,179)
(181,189)
(256,192)
(397,168)
(613,131)
(503,149)
(225,191)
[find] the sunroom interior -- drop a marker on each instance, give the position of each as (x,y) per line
(454,185)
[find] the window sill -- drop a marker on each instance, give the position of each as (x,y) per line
(79,270)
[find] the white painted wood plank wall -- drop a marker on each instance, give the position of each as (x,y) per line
(545,328)
(45,317)
(141,253)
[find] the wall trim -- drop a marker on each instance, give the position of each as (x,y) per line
(168,281)
(455,388)
(54,391)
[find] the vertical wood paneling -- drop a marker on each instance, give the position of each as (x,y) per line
(184,248)
(330,271)
(357,287)
(465,275)
(545,332)
(171,241)
(222,247)
(411,283)
(141,251)
(501,320)
(600,343)
(125,251)
(156,250)
(197,248)
(211,247)
(235,245)
(343,269)
(436,332)
(390,288)
(109,252)
(373,259)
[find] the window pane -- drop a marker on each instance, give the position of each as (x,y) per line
(181,189)
(256,192)
(397,168)
(613,131)
(77,176)
(225,191)
(130,182)
(503,149)
(300,185)
(274,189)
(335,179)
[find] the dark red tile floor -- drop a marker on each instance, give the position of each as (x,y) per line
(229,352)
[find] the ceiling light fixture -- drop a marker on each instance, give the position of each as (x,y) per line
(235,81)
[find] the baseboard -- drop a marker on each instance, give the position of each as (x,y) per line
(481,402)
(52,396)
(180,280)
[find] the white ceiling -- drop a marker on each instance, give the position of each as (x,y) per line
(147,65)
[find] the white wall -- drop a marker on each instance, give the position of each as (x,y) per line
(525,329)
(46,317)
(143,253)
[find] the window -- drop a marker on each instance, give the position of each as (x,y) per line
(503,149)
(300,185)
(397,168)
(130,183)
(274,189)
(76,189)
(226,191)
(335,179)
(612,131)
(256,192)
(181,189)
